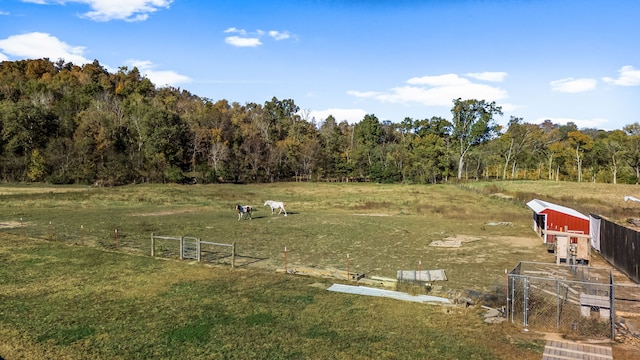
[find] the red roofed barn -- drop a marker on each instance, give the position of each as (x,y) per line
(548,216)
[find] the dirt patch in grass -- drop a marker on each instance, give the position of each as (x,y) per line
(166,212)
(377,214)
(518,241)
(37,189)
(455,241)
(10,224)
(463,238)
(502,196)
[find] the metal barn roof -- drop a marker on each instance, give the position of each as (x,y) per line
(539,206)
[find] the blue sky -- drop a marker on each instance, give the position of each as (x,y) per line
(563,60)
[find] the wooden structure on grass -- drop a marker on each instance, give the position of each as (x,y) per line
(341,275)
(552,217)
(569,247)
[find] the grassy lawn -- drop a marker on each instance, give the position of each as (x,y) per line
(587,197)
(71,302)
(67,292)
(383,228)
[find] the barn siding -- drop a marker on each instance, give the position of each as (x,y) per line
(558,218)
(558,221)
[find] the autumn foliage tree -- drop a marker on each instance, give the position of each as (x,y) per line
(65,123)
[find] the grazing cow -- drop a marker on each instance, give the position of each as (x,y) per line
(242,210)
(276,205)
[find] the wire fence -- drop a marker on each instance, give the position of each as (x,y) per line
(567,298)
(570,298)
(128,242)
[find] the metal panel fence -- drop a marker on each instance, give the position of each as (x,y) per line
(620,246)
(187,247)
(566,298)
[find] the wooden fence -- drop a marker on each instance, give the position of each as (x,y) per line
(619,245)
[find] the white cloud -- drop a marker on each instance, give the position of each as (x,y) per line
(628,77)
(242,41)
(159,77)
(438,90)
(253,39)
(364,94)
(235,31)
(581,123)
(508,107)
(496,76)
(571,85)
(278,35)
(106,10)
(352,116)
(38,45)
(3,57)
(3,12)
(439,80)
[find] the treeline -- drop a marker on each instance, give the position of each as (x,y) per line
(64,124)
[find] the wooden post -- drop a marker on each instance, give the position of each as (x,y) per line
(153,245)
(50,231)
(181,245)
(21,227)
(233,254)
(198,248)
(419,270)
(348,272)
(505,283)
(81,235)
(116,236)
(285,260)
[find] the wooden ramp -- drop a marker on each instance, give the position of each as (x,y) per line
(567,350)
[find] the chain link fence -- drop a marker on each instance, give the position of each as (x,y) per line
(572,299)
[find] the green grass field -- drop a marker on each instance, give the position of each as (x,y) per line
(67,291)
(71,302)
(383,228)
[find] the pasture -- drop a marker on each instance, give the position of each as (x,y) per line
(383,228)
(68,292)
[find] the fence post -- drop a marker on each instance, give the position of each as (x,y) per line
(513,295)
(558,297)
(198,249)
(526,304)
(181,247)
(506,295)
(153,245)
(285,260)
(612,315)
(348,272)
(116,236)
(233,254)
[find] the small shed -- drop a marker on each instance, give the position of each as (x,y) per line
(548,216)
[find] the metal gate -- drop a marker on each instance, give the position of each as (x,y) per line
(190,247)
